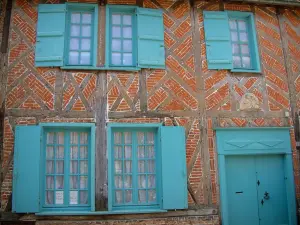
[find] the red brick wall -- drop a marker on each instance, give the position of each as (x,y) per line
(186,93)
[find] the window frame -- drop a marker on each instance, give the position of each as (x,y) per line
(253,44)
(81,7)
(108,28)
(62,127)
(134,127)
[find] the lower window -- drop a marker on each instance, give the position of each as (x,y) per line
(66,168)
(135,163)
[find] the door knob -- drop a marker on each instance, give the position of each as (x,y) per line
(267,196)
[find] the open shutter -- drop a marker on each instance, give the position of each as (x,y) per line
(151,48)
(217,39)
(49,49)
(26,169)
(174,178)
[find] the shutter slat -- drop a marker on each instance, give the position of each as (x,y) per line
(174,177)
(26,175)
(49,49)
(151,49)
(217,39)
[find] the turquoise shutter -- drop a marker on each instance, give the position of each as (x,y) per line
(49,49)
(151,48)
(174,178)
(217,39)
(26,169)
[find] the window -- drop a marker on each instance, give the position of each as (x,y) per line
(67,37)
(80,39)
(235,34)
(66,168)
(122,32)
(135,163)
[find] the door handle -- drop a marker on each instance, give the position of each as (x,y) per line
(266,196)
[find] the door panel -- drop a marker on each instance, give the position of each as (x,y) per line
(241,190)
(270,173)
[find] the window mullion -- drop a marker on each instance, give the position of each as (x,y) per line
(67,166)
(134,168)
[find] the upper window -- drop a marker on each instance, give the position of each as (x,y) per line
(231,41)
(122,33)
(80,37)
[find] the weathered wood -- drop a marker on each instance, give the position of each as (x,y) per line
(6,26)
(140,3)
(101,159)
(143,90)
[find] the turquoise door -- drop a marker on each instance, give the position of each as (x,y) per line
(256,190)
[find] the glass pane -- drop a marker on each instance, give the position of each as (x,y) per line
(73,197)
(142,196)
(116,19)
(150,138)
(234,36)
(141,138)
(73,182)
(118,182)
(59,184)
(83,138)
(128,196)
(50,152)
(74,44)
(74,167)
(236,61)
(127,59)
(59,197)
(128,182)
(83,152)
(151,152)
(75,17)
(85,58)
(152,196)
(151,166)
(118,152)
(74,152)
(83,182)
(86,31)
(73,58)
(116,45)
(127,32)
(116,31)
(232,24)
(84,167)
(151,181)
(235,49)
(127,137)
(118,166)
(49,182)
(60,138)
(83,197)
(116,59)
(142,181)
(128,165)
(245,49)
(141,166)
(242,25)
(127,152)
(59,152)
(127,20)
(50,167)
(86,18)
(246,62)
(118,196)
(141,152)
(85,44)
(50,138)
(117,137)
(244,36)
(74,137)
(75,30)
(127,45)
(60,167)
(49,197)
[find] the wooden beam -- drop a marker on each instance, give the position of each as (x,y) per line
(6,26)
(140,3)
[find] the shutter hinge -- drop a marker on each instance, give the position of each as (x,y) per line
(258,182)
